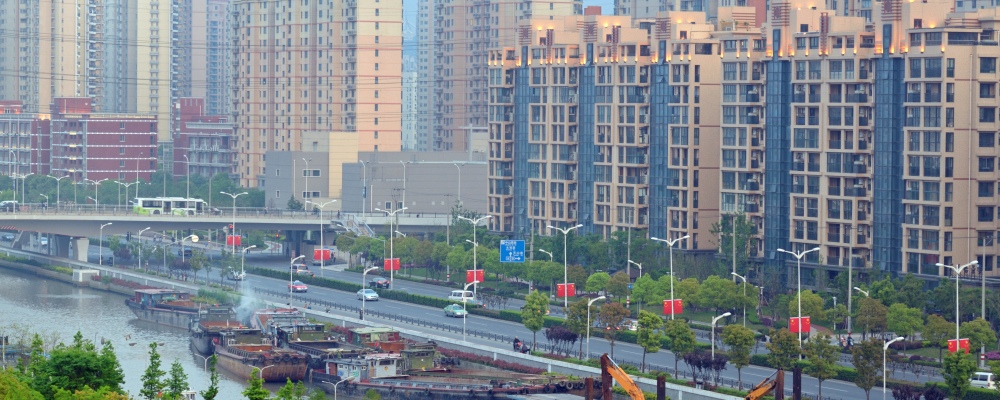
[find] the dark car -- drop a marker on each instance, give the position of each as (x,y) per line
(9,206)
(378,283)
(185,253)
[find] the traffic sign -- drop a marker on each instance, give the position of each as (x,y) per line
(512,251)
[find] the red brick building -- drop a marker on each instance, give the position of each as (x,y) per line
(95,146)
(203,143)
(24,140)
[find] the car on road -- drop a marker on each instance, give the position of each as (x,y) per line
(298,287)
(235,275)
(304,272)
(331,261)
(7,237)
(298,266)
(9,205)
(367,295)
(378,283)
(185,253)
(456,311)
(983,380)
(465,296)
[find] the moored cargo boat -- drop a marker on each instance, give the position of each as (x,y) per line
(164,306)
(212,321)
(275,364)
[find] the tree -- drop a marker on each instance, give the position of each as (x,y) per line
(372,394)
(938,331)
(910,291)
(979,333)
(822,356)
(291,391)
(644,291)
(576,321)
(611,317)
(256,389)
(13,388)
(213,379)
(574,273)
(813,306)
(884,291)
(958,369)
(872,315)
(867,359)
(717,293)
(688,291)
(598,282)
(905,321)
(536,306)
(741,341)
(784,349)
(294,204)
(837,315)
(618,285)
(680,338)
(176,383)
(152,379)
(648,335)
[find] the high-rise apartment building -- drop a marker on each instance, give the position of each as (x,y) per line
(315,66)
(212,55)
(875,141)
(455,37)
(411,98)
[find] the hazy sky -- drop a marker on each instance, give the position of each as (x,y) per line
(607,6)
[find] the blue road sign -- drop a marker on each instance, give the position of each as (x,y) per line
(512,251)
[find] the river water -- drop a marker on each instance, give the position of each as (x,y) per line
(58,310)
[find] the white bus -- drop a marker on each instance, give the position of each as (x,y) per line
(168,205)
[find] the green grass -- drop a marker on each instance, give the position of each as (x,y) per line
(928,352)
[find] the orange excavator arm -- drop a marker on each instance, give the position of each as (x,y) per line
(609,367)
(775,382)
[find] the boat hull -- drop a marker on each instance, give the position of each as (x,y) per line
(202,342)
(273,367)
(169,317)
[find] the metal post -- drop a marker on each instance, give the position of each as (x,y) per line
(100,246)
(565,232)
(465,317)
(475,248)
(744,279)
(322,243)
(670,244)
(714,320)
(291,270)
(138,242)
(589,303)
(885,349)
(958,270)
(187,162)
(234,196)
(363,274)
(392,216)
(798,262)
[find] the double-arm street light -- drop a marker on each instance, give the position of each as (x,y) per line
(234,196)
(350,378)
(590,303)
(392,260)
(798,260)
(744,297)
(670,243)
(363,294)
(193,238)
(958,270)
(465,316)
(565,232)
(291,272)
(714,321)
(322,227)
(138,241)
(885,349)
(58,181)
(100,246)
(475,243)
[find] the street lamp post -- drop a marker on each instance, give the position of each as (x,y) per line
(885,349)
(565,232)
(865,292)
(307,173)
(138,239)
(46,198)
(187,163)
(291,271)
(97,205)
(465,317)
(260,372)
(351,378)
(670,243)
(715,320)
(744,279)
(459,183)
(637,265)
(234,196)
(589,303)
(958,270)
(798,260)
(364,184)
(194,239)
(322,243)
(404,181)
(363,274)
(475,243)
(392,255)
(204,358)
(243,262)
(551,257)
(58,181)
(100,246)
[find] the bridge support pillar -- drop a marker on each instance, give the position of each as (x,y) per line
(59,245)
(80,248)
(294,245)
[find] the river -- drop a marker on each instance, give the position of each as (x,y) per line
(58,310)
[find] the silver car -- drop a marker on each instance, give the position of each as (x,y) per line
(367,295)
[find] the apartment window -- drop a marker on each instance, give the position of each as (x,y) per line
(932,68)
(951,67)
(915,64)
(121,151)
(986,164)
(949,142)
(987,90)
(985,213)
(985,189)
(310,173)
(987,65)
(987,114)
(277,172)
(121,138)
(277,194)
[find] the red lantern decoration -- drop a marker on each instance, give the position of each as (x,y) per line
(473,275)
(673,307)
(561,290)
(390,264)
(232,240)
(795,326)
(954,345)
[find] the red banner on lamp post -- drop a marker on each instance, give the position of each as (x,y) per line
(390,264)
(472,275)
(561,290)
(954,345)
(321,254)
(231,239)
(673,307)
(795,326)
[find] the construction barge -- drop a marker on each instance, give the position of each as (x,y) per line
(164,306)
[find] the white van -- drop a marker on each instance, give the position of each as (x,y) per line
(983,380)
(463,296)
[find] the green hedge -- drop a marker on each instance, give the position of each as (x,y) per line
(981,394)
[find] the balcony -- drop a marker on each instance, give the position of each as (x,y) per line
(833,191)
(859,168)
(855,192)
(862,216)
(751,208)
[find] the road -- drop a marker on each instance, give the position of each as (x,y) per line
(432,320)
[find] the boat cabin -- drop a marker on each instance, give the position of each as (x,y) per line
(386,339)
(367,367)
(419,357)
(152,297)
